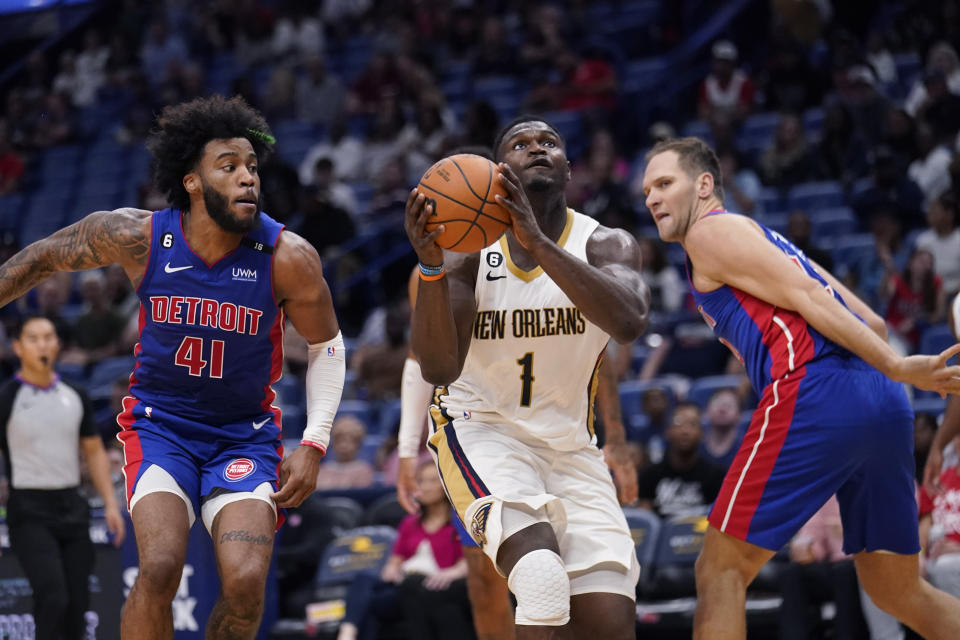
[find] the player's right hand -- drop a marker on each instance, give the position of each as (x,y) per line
(417,211)
(931,471)
(407,484)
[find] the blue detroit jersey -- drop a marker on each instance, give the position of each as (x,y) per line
(210,334)
(770,341)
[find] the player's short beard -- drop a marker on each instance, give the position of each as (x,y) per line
(218,208)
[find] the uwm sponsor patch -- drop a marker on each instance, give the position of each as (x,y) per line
(238,469)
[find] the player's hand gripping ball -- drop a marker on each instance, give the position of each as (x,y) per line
(462,190)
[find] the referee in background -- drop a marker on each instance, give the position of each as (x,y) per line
(44,424)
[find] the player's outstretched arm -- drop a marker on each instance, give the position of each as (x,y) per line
(101,238)
(305,298)
(608,289)
(445,306)
(732,250)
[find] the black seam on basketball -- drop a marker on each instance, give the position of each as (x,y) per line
(466,180)
(454,200)
(467,232)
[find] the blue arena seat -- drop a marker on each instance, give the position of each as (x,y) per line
(701,389)
(681,539)
(645,529)
(361,409)
(936,338)
(776,221)
(934,405)
(811,196)
(850,250)
(109,370)
(771,199)
(837,221)
(356,553)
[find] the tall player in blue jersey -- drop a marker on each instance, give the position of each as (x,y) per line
(832,417)
(215,277)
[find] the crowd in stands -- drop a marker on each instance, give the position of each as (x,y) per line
(836,124)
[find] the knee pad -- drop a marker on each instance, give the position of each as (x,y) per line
(539,582)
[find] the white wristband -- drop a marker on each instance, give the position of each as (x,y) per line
(415,396)
(326,368)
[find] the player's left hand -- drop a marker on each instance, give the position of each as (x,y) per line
(618,459)
(525,227)
(931,373)
(115,524)
(298,476)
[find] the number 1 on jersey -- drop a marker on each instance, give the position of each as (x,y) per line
(190,355)
(526,377)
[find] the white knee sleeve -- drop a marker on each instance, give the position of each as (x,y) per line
(540,583)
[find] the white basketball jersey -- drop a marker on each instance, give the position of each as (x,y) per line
(533,356)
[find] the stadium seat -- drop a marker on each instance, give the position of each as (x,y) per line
(361,409)
(357,552)
(776,221)
(631,401)
(838,221)
(936,338)
(109,370)
(850,250)
(681,539)
(812,196)
(813,121)
(641,75)
(645,530)
(698,129)
(371,444)
(934,405)
(760,126)
(385,510)
(771,199)
(701,389)
(389,419)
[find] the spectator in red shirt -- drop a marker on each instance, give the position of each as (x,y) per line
(423,582)
(11,165)
(915,298)
(727,92)
(940,527)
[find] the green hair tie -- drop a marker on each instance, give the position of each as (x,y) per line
(266,137)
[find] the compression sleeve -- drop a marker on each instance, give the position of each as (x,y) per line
(326,368)
(415,394)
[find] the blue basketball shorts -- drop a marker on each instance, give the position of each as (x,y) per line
(203,468)
(836,426)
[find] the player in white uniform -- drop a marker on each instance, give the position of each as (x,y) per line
(516,332)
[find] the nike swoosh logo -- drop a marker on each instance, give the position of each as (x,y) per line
(492,277)
(170,269)
(257,425)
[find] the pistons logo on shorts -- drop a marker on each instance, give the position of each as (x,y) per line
(238,469)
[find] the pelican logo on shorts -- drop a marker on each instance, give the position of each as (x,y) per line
(478,526)
(237,470)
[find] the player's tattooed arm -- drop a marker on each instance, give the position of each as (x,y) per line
(100,239)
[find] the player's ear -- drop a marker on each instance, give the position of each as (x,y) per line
(191,182)
(569,171)
(705,184)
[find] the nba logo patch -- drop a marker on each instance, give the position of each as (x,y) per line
(478,526)
(331,351)
(467,414)
(238,469)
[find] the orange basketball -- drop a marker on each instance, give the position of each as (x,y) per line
(461,189)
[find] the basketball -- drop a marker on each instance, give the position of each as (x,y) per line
(462,190)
